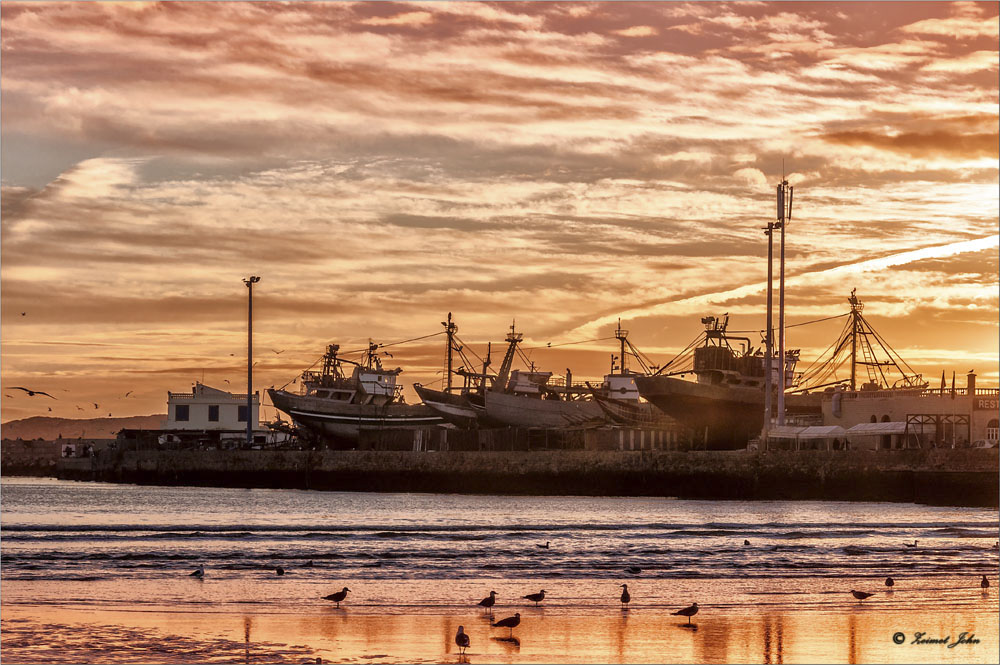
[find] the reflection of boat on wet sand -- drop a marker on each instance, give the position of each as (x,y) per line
(335,407)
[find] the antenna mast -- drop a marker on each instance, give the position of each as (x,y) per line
(785,192)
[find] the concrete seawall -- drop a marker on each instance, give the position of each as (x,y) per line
(942,477)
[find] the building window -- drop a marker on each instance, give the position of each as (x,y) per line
(242,417)
(213,413)
(182,412)
(874,419)
(993,430)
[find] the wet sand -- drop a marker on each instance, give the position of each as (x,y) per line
(845,631)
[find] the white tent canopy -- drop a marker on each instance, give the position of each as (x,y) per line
(822,432)
(784,431)
(877,429)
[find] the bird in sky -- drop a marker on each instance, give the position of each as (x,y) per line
(50,408)
(861,595)
(626,597)
(226,380)
(7,395)
(278,352)
(338,596)
(687,612)
(535,597)
(462,639)
(79,408)
(31,393)
(96,406)
(24,314)
(509,622)
(488,602)
(109,415)
(128,393)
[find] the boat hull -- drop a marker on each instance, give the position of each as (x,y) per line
(457,409)
(721,417)
(522,411)
(341,423)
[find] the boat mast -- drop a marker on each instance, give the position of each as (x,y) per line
(768,342)
(622,335)
(451,329)
(513,338)
(856,307)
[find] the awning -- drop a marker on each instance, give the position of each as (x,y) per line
(822,432)
(784,432)
(877,429)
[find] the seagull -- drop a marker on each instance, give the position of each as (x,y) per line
(128,393)
(909,545)
(199,572)
(861,595)
(544,547)
(50,408)
(79,408)
(226,380)
(278,352)
(462,639)
(489,601)
(687,612)
(509,622)
(7,395)
(889,582)
(635,570)
(96,406)
(31,393)
(626,597)
(24,314)
(535,597)
(279,571)
(984,583)
(746,542)
(337,597)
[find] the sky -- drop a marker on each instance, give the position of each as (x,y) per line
(556,165)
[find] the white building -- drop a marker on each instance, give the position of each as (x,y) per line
(207,408)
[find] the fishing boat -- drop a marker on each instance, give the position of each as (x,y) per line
(335,407)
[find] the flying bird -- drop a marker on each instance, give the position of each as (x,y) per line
(687,612)
(50,408)
(278,352)
(128,393)
(24,314)
(79,408)
(337,597)
(626,596)
(462,639)
(199,572)
(31,393)
(889,582)
(10,396)
(861,595)
(226,380)
(489,601)
(509,622)
(535,597)
(96,406)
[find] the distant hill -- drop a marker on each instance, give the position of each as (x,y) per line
(71,428)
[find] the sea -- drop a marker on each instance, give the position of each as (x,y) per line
(96,547)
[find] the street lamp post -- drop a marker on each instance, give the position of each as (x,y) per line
(250,281)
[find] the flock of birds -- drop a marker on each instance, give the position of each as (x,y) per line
(33,393)
(463,641)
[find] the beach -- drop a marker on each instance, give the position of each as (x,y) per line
(101,573)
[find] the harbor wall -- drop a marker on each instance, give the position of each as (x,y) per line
(942,477)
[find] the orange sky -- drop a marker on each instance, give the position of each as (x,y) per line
(380,164)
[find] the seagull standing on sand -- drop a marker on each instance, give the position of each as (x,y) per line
(509,622)
(489,601)
(626,597)
(889,582)
(462,640)
(337,597)
(984,583)
(861,595)
(535,597)
(199,572)
(687,612)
